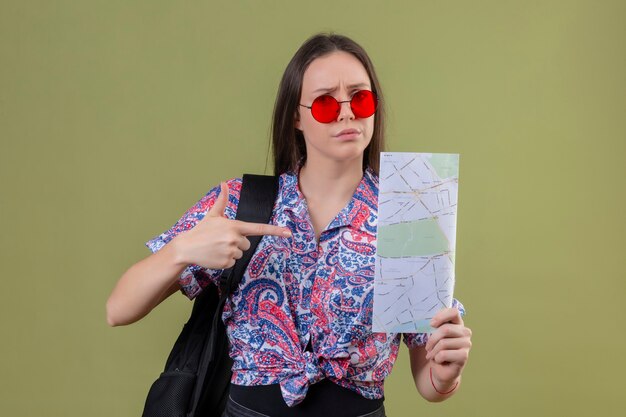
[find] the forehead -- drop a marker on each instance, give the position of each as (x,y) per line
(337,69)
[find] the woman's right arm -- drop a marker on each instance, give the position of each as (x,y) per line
(215,242)
(144,285)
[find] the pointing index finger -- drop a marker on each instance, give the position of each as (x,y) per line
(262,229)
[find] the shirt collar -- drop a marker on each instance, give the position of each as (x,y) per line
(361,212)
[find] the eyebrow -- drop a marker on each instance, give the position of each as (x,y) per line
(350,87)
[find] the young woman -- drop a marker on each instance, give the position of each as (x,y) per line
(299,324)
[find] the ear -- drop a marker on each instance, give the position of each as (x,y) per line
(297,121)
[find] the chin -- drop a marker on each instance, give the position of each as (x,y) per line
(348,156)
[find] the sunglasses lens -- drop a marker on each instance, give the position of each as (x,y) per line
(363,104)
(325,109)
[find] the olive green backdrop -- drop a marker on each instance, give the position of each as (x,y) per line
(116,116)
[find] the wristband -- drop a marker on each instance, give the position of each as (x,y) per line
(439,392)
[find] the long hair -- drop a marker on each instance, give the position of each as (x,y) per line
(288,144)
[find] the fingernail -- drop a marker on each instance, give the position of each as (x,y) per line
(287,233)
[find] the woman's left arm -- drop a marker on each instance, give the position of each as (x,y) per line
(437,366)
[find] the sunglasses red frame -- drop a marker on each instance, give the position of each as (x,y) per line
(326,108)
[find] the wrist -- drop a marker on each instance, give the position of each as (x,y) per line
(443,387)
(177,252)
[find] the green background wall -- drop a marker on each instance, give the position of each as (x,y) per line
(116,116)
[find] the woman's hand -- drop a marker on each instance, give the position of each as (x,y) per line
(448,348)
(216,242)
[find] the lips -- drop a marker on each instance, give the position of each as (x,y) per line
(347,132)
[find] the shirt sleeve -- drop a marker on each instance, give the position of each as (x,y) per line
(413,340)
(194,277)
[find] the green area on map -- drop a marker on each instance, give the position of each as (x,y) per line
(445,164)
(417,238)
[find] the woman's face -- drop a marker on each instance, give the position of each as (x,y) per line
(340,75)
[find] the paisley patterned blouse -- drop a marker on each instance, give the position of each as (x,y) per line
(297,290)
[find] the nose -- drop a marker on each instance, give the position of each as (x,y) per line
(345,111)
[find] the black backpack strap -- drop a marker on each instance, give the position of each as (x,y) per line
(258,194)
(256,203)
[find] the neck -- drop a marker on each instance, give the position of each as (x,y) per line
(330,180)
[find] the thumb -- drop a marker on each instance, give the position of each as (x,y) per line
(220,202)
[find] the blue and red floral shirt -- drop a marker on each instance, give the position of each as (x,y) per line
(297,290)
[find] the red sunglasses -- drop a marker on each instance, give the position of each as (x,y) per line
(325,108)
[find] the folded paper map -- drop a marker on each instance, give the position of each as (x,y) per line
(417,205)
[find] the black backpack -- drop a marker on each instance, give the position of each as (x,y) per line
(197,373)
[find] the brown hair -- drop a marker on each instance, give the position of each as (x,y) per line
(288,142)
